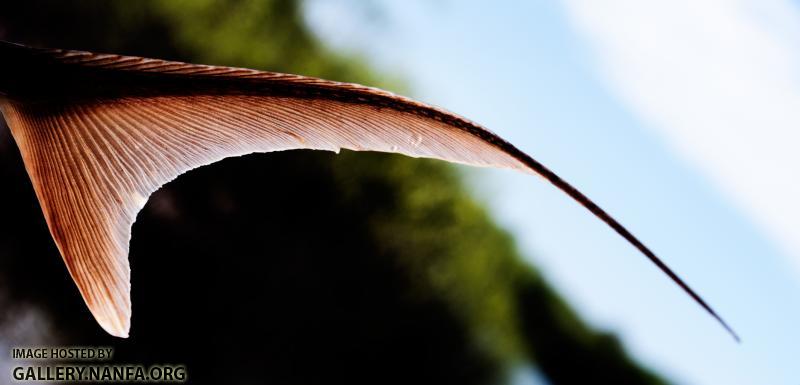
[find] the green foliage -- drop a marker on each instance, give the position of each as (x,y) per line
(425,219)
(412,218)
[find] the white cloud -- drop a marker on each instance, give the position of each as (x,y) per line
(721,80)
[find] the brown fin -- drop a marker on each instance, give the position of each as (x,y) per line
(117,128)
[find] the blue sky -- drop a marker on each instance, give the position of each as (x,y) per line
(660,112)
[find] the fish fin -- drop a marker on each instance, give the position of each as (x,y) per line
(116,128)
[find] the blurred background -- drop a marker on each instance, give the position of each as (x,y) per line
(680,118)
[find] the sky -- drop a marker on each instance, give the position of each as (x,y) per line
(678,117)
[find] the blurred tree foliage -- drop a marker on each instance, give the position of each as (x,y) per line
(296,267)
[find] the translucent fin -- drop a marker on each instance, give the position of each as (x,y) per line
(117,128)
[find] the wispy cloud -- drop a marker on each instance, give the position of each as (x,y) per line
(720,79)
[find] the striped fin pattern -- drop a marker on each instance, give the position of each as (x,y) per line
(122,126)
